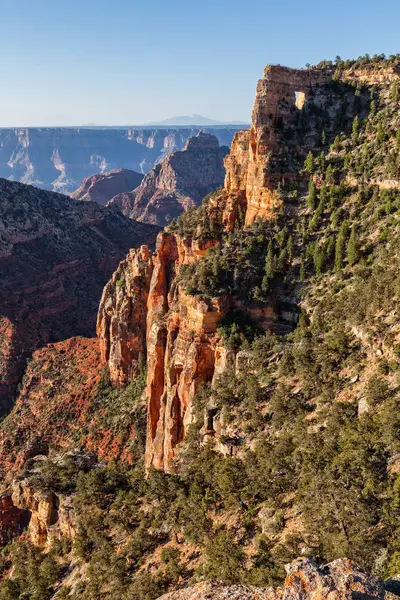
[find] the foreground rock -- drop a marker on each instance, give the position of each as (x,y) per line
(29,506)
(305,580)
(102,187)
(56,254)
(178,183)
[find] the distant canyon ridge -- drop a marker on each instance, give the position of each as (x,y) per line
(179,182)
(59,159)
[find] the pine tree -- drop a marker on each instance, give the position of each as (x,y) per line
(270,262)
(290,249)
(395,90)
(309,163)
(322,162)
(380,133)
(282,261)
(341,245)
(355,131)
(330,249)
(336,143)
(353,248)
(316,220)
(319,259)
(329,174)
(312,195)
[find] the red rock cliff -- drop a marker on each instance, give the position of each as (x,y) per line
(177,333)
(181,339)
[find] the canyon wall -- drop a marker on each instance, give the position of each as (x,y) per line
(293,109)
(145,316)
(59,159)
(281,93)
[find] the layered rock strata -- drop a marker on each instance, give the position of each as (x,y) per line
(291,111)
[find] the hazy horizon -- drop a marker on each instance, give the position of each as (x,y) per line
(160,123)
(71,64)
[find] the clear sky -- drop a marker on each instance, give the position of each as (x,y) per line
(117,62)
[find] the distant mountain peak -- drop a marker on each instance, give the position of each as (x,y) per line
(192,121)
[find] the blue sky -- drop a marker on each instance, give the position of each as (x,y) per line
(71,62)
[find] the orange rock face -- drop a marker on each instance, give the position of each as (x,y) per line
(251,166)
(257,165)
(181,357)
(151,314)
(43,507)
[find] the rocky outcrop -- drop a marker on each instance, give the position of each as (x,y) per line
(181,342)
(52,516)
(45,515)
(121,321)
(254,168)
(178,183)
(275,108)
(305,580)
(13,520)
(59,159)
(102,187)
(43,507)
(56,254)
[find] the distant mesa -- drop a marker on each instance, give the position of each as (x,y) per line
(102,187)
